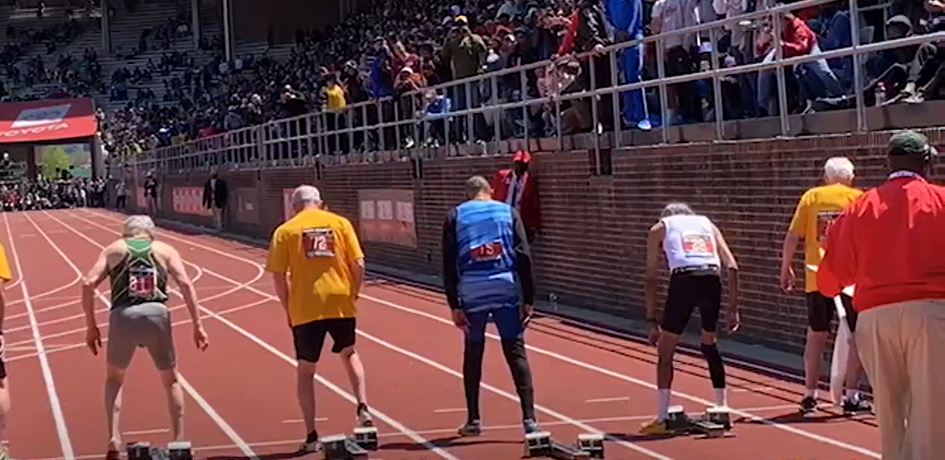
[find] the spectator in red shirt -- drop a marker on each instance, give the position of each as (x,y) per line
(816,78)
(887,244)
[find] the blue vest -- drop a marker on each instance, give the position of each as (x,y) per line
(486,259)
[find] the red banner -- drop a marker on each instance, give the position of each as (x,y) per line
(387,217)
(189,200)
(40,121)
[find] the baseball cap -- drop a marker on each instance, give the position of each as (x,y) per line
(910,143)
(522,156)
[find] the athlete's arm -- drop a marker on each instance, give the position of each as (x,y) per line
(653,241)
(792,238)
(355,258)
(5,276)
(278,264)
(95,277)
(838,267)
(450,274)
(728,260)
(175,268)
(523,259)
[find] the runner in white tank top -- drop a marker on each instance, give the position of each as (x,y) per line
(695,253)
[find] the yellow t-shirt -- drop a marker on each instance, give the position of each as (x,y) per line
(316,248)
(335,98)
(5,273)
(815,212)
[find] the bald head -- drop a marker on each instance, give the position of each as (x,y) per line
(478,187)
(305,197)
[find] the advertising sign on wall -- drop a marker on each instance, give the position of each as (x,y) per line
(247,211)
(189,200)
(387,217)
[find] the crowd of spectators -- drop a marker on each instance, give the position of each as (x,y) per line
(52,194)
(399,47)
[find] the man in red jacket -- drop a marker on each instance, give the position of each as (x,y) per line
(519,188)
(887,244)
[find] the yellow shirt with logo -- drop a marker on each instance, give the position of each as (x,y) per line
(815,212)
(316,248)
(335,98)
(5,273)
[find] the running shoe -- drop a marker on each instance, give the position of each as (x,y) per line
(530,426)
(854,406)
(311,443)
(655,427)
(808,405)
(471,428)
(364,416)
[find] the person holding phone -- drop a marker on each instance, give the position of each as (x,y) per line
(695,252)
(487,273)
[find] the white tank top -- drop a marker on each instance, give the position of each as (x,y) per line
(690,242)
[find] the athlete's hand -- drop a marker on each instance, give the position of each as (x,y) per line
(526,312)
(787,278)
(200,337)
(93,339)
(654,335)
(734,320)
(460,320)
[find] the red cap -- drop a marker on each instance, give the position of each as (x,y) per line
(522,157)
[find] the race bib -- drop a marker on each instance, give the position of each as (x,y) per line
(142,282)
(487,252)
(698,244)
(824,220)
(318,242)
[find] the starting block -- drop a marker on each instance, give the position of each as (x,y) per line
(356,447)
(541,444)
(714,424)
(175,451)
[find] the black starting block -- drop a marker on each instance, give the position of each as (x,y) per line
(179,451)
(714,424)
(356,447)
(541,444)
(138,451)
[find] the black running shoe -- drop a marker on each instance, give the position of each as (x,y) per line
(808,405)
(856,406)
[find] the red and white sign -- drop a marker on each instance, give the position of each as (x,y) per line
(189,200)
(39,121)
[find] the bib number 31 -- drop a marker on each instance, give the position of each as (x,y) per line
(318,242)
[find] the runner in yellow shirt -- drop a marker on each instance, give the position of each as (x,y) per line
(321,252)
(815,212)
(5,276)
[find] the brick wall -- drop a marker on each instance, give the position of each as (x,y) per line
(591,252)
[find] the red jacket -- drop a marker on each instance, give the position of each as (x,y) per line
(528,204)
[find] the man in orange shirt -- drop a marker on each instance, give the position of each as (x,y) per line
(885,245)
(814,214)
(321,252)
(5,277)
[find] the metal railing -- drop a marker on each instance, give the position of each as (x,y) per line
(385,124)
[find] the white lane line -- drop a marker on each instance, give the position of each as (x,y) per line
(753,389)
(224,426)
(50,382)
(296,421)
(449,411)
(607,400)
(145,432)
(569,360)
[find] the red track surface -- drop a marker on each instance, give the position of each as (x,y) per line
(241,392)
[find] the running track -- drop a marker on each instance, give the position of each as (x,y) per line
(241,391)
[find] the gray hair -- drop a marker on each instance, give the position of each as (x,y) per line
(476,185)
(838,169)
(675,209)
(306,195)
(137,226)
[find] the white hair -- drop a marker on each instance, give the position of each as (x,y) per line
(306,195)
(838,169)
(676,209)
(137,226)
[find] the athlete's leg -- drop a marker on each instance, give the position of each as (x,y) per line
(473,350)
(344,334)
(852,400)
(508,321)
(4,402)
(819,314)
(122,342)
(153,329)
(710,292)
(308,339)
(114,379)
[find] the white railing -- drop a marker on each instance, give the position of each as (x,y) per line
(380,126)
